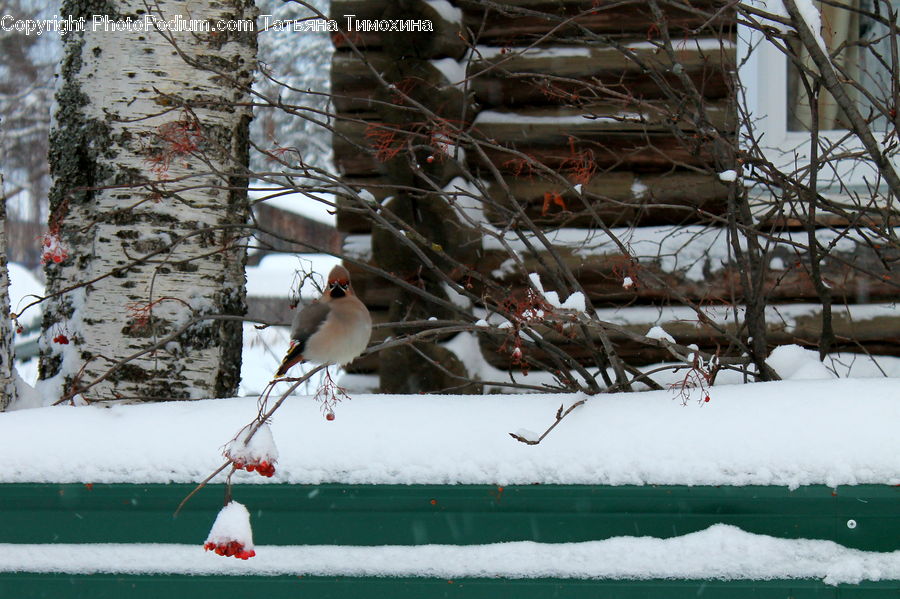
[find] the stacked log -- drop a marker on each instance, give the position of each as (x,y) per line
(584,90)
(389,90)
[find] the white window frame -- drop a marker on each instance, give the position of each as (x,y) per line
(763,76)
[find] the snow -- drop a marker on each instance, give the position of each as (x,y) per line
(787,314)
(693,250)
(492,117)
(232,524)
(507,267)
(457,299)
(491,52)
(728,176)
(638,189)
(700,43)
(658,332)
(813,18)
(318,206)
(261,447)
(527,434)
(358,247)
(24,288)
(779,433)
(453,71)
(720,552)
(466,348)
(575,301)
(277,275)
(793,362)
(446,11)
(465,199)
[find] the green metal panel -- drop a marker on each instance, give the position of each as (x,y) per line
(59,586)
(452,514)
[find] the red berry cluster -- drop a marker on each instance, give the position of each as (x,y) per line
(231,549)
(263,468)
(53,249)
(61,339)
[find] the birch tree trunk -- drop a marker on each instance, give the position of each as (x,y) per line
(7,354)
(148,158)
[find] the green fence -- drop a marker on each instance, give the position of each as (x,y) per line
(865,517)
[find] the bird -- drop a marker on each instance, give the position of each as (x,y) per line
(332,330)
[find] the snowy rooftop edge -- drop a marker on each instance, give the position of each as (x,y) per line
(761,434)
(719,552)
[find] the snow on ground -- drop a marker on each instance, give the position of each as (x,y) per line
(278,275)
(315,205)
(793,362)
(24,288)
(719,552)
(781,433)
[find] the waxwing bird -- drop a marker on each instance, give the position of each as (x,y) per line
(333,330)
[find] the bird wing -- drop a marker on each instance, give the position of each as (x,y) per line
(308,321)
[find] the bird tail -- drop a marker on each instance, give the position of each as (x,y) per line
(294,355)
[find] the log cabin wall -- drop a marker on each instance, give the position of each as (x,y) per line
(587,90)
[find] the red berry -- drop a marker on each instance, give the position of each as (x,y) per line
(251,467)
(329,416)
(706,398)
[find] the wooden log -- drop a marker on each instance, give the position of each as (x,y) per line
(697,271)
(355,87)
(582,140)
(523,21)
(678,264)
(351,216)
(393,26)
(374,291)
(364,146)
(856,331)
(356,147)
(529,76)
(582,160)
(614,198)
(556,125)
(570,144)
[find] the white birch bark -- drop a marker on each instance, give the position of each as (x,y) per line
(7,352)
(146,154)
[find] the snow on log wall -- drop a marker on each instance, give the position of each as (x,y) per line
(146,203)
(579,86)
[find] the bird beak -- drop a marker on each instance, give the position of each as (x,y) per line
(339,289)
